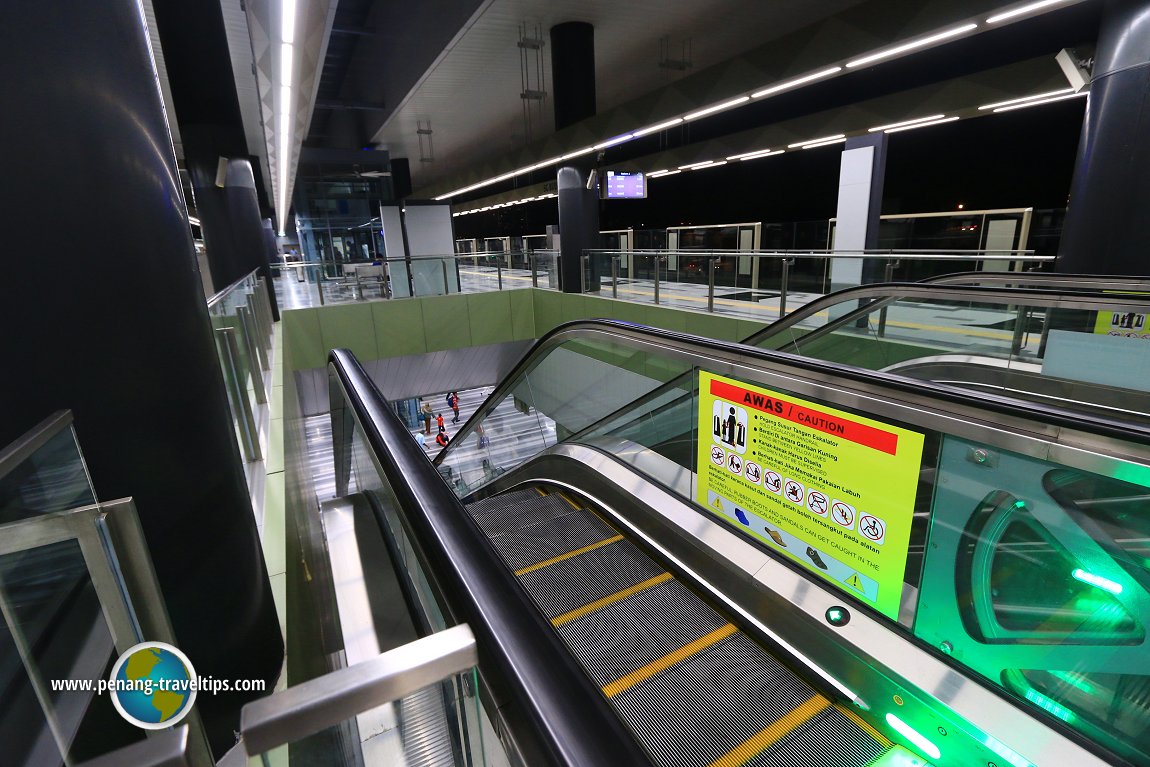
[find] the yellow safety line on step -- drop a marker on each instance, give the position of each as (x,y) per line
(761,741)
(568,555)
(668,660)
(569,501)
(863,725)
(610,599)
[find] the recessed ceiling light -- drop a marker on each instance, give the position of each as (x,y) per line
(797,81)
(912,45)
(876,129)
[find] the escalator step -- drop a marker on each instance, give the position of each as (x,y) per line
(708,705)
(828,740)
(500,501)
(565,536)
(581,582)
(618,639)
(523,513)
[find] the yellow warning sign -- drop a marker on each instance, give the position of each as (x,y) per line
(855,583)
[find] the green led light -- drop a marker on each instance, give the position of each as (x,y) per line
(1020,504)
(1046,704)
(1097,580)
(838,616)
(1075,680)
(913,736)
(1006,753)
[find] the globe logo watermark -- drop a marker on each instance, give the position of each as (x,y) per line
(153,685)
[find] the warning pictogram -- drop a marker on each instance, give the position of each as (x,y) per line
(855,583)
(843,514)
(872,527)
(817,502)
(794,491)
(718,455)
(734,463)
(772,482)
(754,472)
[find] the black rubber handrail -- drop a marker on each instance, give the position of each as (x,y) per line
(1047,280)
(556,715)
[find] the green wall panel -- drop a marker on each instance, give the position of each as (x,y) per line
(490,315)
(303,344)
(349,326)
(446,322)
(398,327)
(522,314)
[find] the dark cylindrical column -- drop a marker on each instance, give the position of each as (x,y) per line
(230,220)
(267,229)
(578,226)
(106,316)
(1105,231)
(572,72)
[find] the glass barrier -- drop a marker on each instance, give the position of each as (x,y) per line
(44,472)
(1009,538)
(1081,350)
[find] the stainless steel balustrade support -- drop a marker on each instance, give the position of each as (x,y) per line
(446,284)
(262,288)
(499,274)
(229,354)
(329,700)
(259,355)
(583,273)
(168,748)
(534,270)
(656,278)
(888,276)
(358,286)
(319,283)
(614,276)
(261,316)
(711,283)
(787,264)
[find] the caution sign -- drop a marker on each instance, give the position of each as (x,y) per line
(1124,324)
(831,490)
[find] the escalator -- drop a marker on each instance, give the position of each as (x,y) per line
(714,620)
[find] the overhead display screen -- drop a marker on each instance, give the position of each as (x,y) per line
(831,490)
(625,185)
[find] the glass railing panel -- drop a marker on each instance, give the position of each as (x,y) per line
(1037,577)
(44,472)
(564,391)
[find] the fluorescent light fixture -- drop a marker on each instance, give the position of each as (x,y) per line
(577,153)
(662,173)
(1046,95)
(921,125)
(1097,580)
(913,735)
(710,165)
(287,22)
(1024,9)
(922,42)
(877,128)
(748,154)
(193,220)
(796,82)
(817,144)
(658,127)
(285,64)
(757,155)
(614,141)
(823,140)
(694,165)
(285,99)
(1041,101)
(717,108)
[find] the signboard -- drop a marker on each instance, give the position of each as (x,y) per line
(624,185)
(1124,324)
(831,490)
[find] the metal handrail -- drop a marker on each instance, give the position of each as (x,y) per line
(555,713)
(1004,254)
(15,453)
(880,294)
(315,705)
(168,748)
(1044,279)
(230,288)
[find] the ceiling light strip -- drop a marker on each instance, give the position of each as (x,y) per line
(796,82)
(1046,95)
(823,140)
(921,125)
(658,127)
(877,128)
(710,165)
(662,173)
(717,108)
(825,143)
(1026,104)
(757,155)
(1025,9)
(913,45)
(694,165)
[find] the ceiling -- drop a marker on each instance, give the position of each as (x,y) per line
(369,74)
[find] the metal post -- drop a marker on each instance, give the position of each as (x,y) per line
(891,265)
(656,257)
(358,286)
(534,269)
(499,274)
(583,273)
(787,263)
(1021,321)
(262,320)
(615,276)
(446,285)
(711,282)
(241,408)
(319,283)
(256,352)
